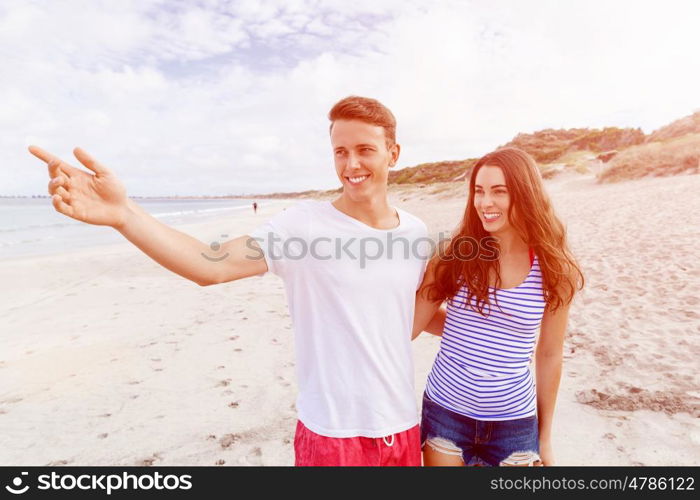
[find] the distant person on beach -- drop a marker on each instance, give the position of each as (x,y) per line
(255,207)
(351,299)
(508,278)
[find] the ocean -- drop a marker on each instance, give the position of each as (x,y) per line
(31,226)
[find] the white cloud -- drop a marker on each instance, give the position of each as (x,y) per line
(225,97)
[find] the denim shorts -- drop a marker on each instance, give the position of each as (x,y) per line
(479,442)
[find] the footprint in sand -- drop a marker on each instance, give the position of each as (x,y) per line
(102,436)
(254,457)
(238,349)
(148,462)
(58,462)
(228,439)
(220,367)
(105,415)
(235,337)
(134,382)
(223,383)
(233,404)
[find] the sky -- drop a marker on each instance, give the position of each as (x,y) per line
(215,97)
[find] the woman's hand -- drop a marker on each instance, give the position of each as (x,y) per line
(546,453)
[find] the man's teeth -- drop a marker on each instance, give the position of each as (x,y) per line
(357,180)
(491,215)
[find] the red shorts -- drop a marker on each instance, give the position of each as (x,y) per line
(400,449)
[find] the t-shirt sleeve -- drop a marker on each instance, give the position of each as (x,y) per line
(279,237)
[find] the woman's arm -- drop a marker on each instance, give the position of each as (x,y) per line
(437,323)
(425,316)
(548,363)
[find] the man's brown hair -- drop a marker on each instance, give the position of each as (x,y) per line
(365,110)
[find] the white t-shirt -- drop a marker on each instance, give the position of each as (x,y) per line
(351,293)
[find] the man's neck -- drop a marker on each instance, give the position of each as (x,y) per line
(376,213)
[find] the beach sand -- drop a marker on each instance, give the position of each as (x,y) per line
(108,359)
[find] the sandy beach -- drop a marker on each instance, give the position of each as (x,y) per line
(108,359)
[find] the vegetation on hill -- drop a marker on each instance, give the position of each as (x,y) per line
(680,155)
(612,153)
(549,146)
(686,125)
(441,171)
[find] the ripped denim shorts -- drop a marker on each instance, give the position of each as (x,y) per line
(479,442)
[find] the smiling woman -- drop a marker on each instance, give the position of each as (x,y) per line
(498,310)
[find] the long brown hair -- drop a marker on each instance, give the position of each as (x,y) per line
(532,216)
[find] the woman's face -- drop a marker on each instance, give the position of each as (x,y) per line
(492,200)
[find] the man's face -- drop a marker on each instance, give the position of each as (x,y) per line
(362,159)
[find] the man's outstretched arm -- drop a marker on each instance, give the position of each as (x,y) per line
(100,198)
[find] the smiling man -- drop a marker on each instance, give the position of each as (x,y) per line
(350,267)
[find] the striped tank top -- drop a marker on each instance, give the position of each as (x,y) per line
(483,368)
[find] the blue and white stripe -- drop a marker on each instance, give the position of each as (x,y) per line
(483,369)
